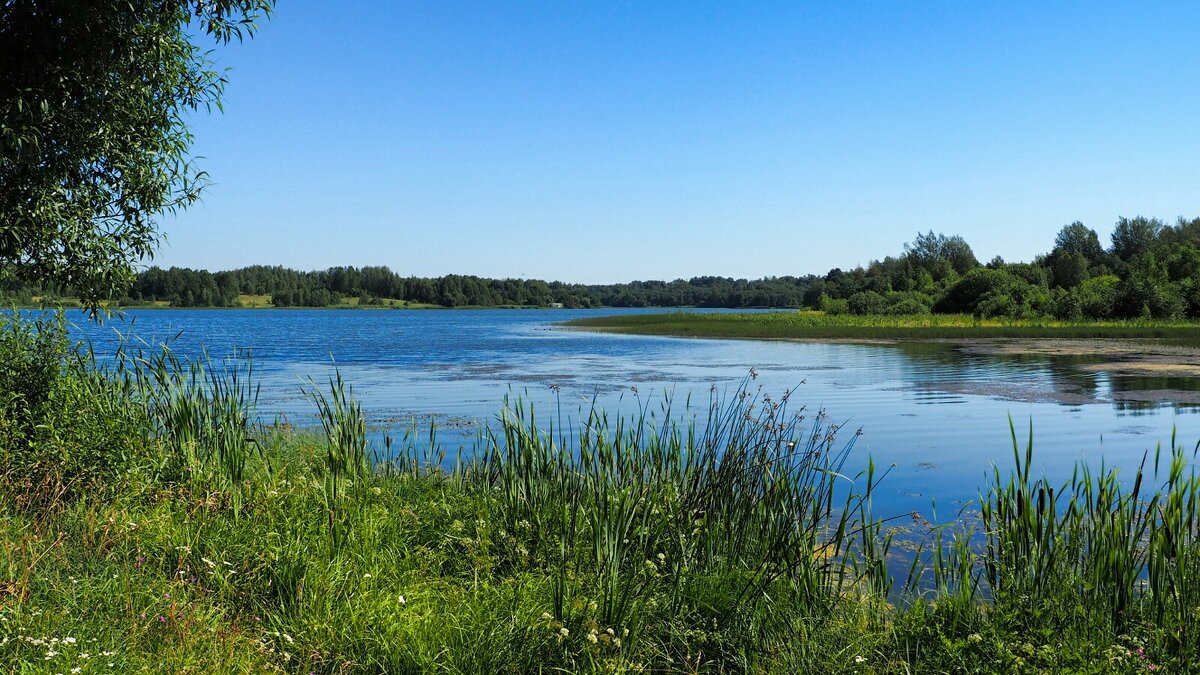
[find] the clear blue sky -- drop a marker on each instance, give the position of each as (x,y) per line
(611,141)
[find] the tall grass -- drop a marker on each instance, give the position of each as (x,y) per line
(738,516)
(818,325)
(345,457)
(1102,553)
(730,535)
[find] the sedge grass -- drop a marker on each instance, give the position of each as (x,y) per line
(722,537)
(818,325)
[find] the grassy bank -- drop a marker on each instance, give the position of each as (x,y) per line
(817,325)
(150,524)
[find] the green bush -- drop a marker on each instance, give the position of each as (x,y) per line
(63,428)
(907,306)
(968,292)
(1097,296)
(834,306)
(1140,296)
(1067,305)
(866,302)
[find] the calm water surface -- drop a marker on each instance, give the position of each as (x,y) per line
(938,414)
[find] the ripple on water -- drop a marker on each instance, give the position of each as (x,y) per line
(931,404)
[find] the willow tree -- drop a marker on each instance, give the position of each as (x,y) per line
(94,144)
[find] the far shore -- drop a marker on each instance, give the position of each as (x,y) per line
(1147,348)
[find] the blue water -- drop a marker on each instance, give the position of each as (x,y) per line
(938,413)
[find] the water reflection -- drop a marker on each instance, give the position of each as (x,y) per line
(1070,380)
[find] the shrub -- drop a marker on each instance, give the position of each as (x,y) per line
(1067,305)
(964,296)
(1139,295)
(63,427)
(866,302)
(999,304)
(1097,296)
(834,306)
(907,306)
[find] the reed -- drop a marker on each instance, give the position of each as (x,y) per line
(346,451)
(735,514)
(729,535)
(812,325)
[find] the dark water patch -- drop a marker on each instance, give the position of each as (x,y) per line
(1159,396)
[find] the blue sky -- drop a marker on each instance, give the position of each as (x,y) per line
(611,141)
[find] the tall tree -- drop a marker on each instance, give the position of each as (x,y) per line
(93,142)
(929,249)
(1077,238)
(1132,236)
(1076,253)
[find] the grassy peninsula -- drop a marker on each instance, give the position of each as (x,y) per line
(149,522)
(817,325)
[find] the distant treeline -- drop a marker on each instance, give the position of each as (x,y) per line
(372,286)
(1149,269)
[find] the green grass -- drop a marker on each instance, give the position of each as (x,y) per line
(148,521)
(817,325)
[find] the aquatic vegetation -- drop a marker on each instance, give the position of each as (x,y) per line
(728,535)
(821,325)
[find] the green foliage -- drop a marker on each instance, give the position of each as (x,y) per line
(346,452)
(818,325)
(1098,296)
(937,273)
(834,306)
(202,413)
(938,253)
(1143,294)
(1132,237)
(63,428)
(907,305)
(93,135)
(726,539)
(866,302)
(1078,240)
(984,291)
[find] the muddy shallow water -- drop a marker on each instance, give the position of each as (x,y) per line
(938,411)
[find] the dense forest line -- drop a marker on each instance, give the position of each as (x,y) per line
(374,286)
(1150,268)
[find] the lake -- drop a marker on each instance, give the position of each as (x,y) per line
(937,412)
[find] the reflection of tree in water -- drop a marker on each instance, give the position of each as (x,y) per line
(1143,394)
(950,367)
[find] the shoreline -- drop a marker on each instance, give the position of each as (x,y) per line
(1149,349)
